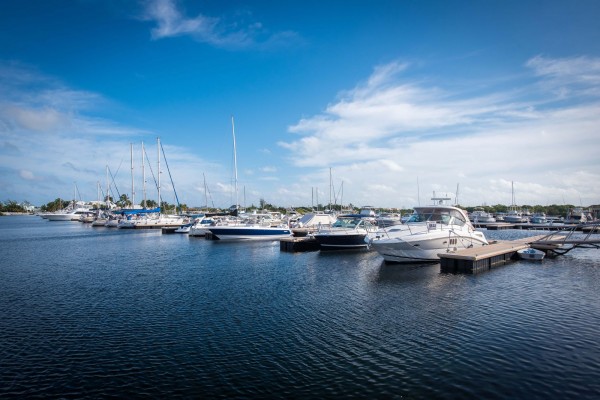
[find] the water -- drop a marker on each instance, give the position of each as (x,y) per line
(96,312)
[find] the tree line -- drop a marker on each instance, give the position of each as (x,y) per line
(124,202)
(13,207)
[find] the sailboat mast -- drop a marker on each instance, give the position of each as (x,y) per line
(205,192)
(235,162)
(512,187)
(158,173)
(330,188)
(144,173)
(132,186)
(107,189)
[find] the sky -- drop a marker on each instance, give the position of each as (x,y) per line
(381,103)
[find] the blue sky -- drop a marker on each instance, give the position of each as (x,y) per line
(396,99)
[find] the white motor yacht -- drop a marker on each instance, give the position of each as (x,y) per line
(347,232)
(73,214)
(482,217)
(431,230)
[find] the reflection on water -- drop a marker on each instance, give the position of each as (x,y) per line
(95,312)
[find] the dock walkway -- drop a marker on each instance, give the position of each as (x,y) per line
(483,258)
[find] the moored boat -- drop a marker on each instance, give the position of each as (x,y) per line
(482,217)
(250,231)
(431,230)
(349,231)
(531,254)
(311,222)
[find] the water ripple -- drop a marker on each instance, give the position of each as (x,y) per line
(104,313)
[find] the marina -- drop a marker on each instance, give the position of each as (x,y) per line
(124,312)
(311,200)
(101,312)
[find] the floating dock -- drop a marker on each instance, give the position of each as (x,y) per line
(498,226)
(478,259)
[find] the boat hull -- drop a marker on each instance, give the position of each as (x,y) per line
(249,233)
(414,250)
(63,217)
(341,241)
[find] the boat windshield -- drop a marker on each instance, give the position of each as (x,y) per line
(350,223)
(443,216)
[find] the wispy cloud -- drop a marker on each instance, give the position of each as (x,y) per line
(392,128)
(171,21)
(567,77)
(53,135)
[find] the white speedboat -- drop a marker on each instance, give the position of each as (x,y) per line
(311,222)
(515,216)
(431,230)
(185,228)
(201,226)
(538,218)
(531,254)
(249,232)
(482,217)
(349,231)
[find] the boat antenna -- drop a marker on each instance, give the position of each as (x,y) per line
(418,193)
(456,199)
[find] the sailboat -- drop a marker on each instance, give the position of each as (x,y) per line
(202,224)
(514,215)
(153,218)
(102,218)
(251,227)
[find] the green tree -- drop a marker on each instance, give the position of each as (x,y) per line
(149,203)
(13,206)
(52,206)
(123,201)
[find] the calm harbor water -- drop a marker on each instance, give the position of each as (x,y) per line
(96,312)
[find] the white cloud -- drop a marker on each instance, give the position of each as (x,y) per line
(27,175)
(567,77)
(383,135)
(48,136)
(172,22)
